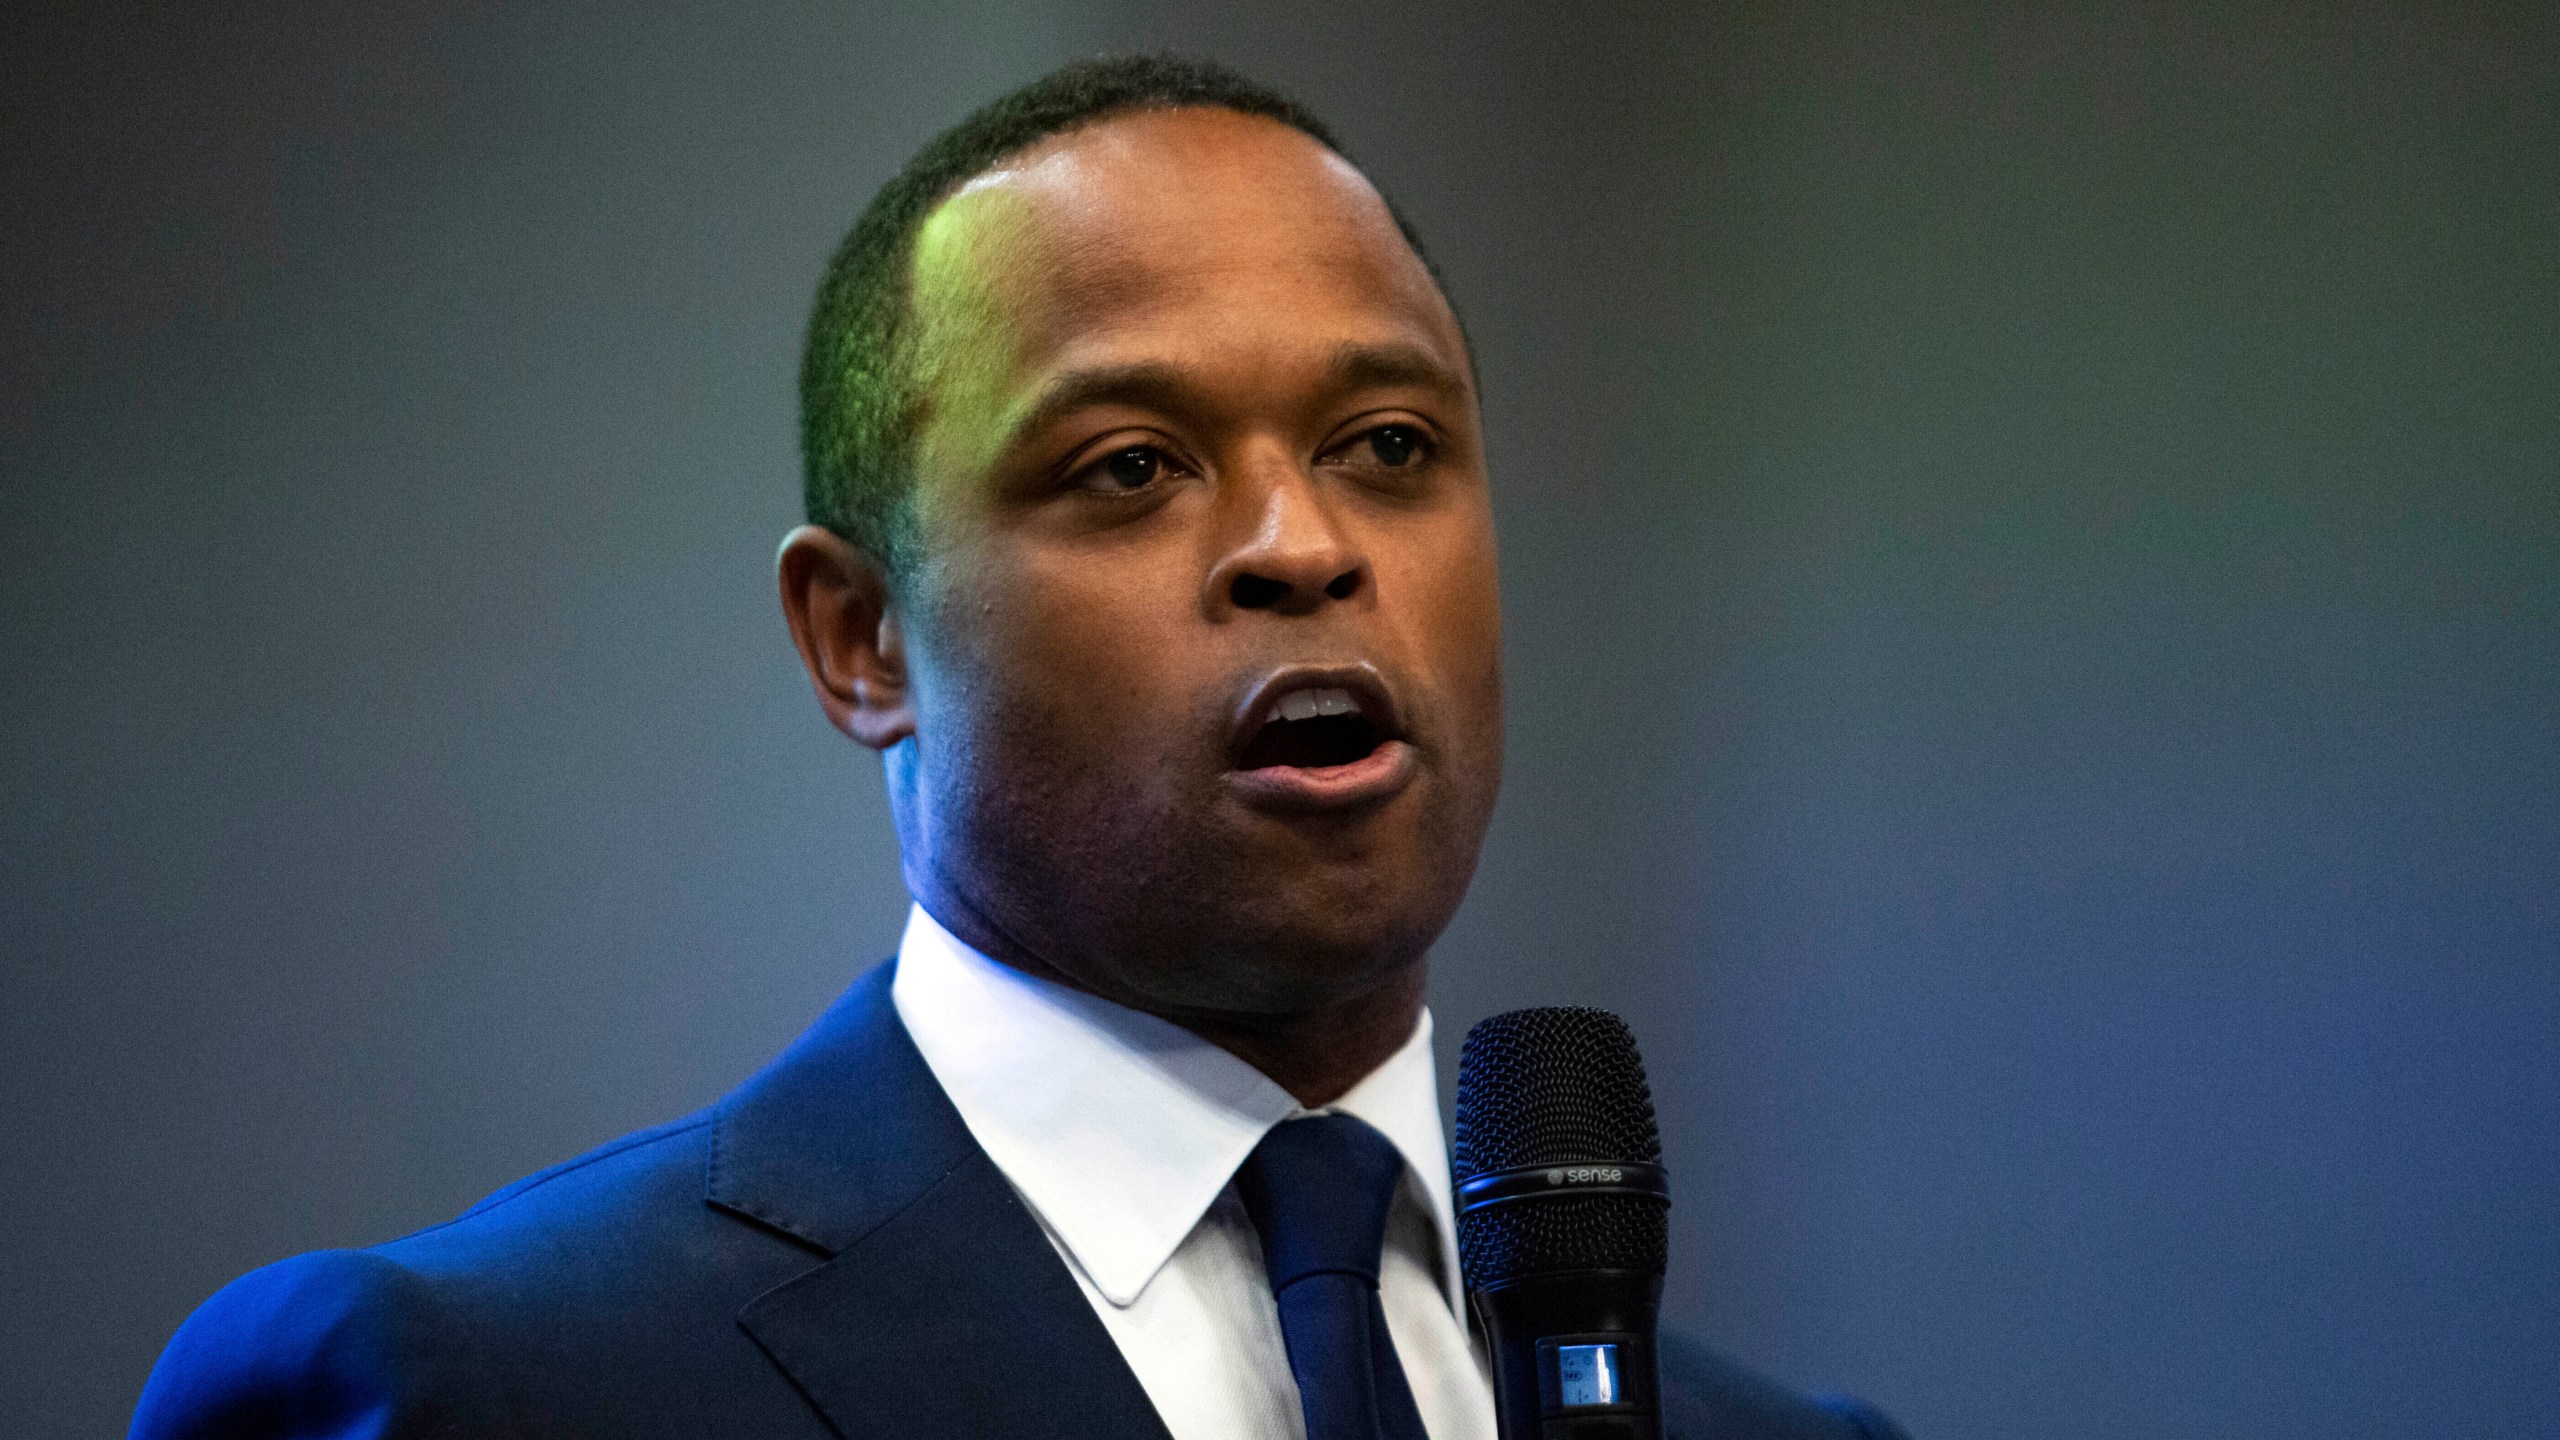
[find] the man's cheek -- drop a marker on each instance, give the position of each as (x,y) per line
(1461,616)
(1087,676)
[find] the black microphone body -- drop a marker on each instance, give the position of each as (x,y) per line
(1561,1207)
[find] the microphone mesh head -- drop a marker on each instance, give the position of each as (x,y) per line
(1548,1087)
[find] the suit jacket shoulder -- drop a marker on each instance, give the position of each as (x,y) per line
(603,1289)
(322,1344)
(825,1251)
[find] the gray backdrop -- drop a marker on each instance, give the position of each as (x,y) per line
(2031,563)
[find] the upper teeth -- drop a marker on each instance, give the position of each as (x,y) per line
(1308,704)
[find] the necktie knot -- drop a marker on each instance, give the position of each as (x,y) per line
(1318,1190)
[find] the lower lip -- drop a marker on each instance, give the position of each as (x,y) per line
(1365,781)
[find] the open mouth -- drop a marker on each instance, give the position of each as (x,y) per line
(1313,729)
(1321,740)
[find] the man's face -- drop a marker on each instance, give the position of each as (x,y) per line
(1203,641)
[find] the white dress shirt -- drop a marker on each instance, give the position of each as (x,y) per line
(1121,1130)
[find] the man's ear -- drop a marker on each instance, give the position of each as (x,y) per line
(838,602)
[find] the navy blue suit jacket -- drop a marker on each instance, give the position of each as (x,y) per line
(825,1252)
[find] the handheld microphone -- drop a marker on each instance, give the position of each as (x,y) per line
(1562,1227)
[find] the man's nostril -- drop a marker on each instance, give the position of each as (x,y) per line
(1344,585)
(1257,592)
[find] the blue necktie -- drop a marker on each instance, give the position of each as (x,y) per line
(1318,1190)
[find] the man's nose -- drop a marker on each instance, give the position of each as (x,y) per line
(1295,556)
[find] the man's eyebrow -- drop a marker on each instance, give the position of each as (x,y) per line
(1365,367)
(1155,385)
(1148,384)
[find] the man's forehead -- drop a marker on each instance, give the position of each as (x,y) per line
(1146,207)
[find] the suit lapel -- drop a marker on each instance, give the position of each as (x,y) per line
(940,1308)
(954,1318)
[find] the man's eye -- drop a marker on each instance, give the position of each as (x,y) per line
(1132,469)
(1395,446)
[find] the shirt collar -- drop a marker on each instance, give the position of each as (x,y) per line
(1121,1128)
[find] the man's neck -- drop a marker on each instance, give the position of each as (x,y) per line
(1319,1056)
(1315,1055)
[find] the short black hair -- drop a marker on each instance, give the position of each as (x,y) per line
(858,399)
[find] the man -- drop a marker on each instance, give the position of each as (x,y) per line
(1151,547)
